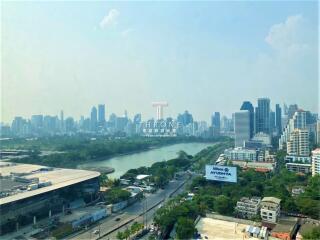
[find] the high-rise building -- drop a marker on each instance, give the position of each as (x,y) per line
(318,132)
(37,121)
(94,119)
(298,145)
(246,105)
(291,110)
(137,118)
(298,121)
(185,118)
(315,167)
(18,125)
(101,114)
(241,127)
(272,121)
(70,125)
(278,119)
(263,116)
(62,128)
(50,124)
(215,123)
(121,123)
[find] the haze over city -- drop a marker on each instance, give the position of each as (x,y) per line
(203,57)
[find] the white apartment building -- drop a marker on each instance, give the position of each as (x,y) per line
(241,154)
(270,209)
(264,138)
(299,167)
(298,144)
(318,132)
(315,168)
(248,207)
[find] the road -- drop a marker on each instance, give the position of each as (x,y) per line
(109,226)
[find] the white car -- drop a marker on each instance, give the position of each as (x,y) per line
(96,231)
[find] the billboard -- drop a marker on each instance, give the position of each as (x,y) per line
(221,173)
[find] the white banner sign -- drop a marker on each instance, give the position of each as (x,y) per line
(221,173)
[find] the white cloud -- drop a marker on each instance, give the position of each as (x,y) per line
(110,18)
(289,35)
(126,32)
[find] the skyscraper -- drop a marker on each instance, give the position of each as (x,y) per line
(93,119)
(215,123)
(263,116)
(101,114)
(185,118)
(278,119)
(246,105)
(137,118)
(62,128)
(272,121)
(298,121)
(241,127)
(291,110)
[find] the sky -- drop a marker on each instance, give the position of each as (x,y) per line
(197,56)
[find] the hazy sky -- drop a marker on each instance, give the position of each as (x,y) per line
(204,57)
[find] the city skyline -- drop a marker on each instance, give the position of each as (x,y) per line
(109,52)
(154,115)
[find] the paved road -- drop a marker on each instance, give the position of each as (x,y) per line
(148,217)
(131,213)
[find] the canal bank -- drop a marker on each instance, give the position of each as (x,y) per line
(121,164)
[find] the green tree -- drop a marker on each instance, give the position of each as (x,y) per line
(313,234)
(120,236)
(185,228)
(223,205)
(116,195)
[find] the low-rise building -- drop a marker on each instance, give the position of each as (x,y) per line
(257,166)
(285,228)
(264,138)
(85,216)
(270,209)
(248,207)
(299,167)
(241,154)
(298,159)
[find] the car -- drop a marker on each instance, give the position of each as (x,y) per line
(117,219)
(96,231)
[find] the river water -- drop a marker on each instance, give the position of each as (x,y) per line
(123,163)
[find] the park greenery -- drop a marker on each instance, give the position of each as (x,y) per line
(162,172)
(312,234)
(220,197)
(133,230)
(71,151)
(115,195)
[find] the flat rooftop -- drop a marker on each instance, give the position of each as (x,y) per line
(59,178)
(220,230)
(285,225)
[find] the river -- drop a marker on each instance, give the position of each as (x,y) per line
(123,163)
